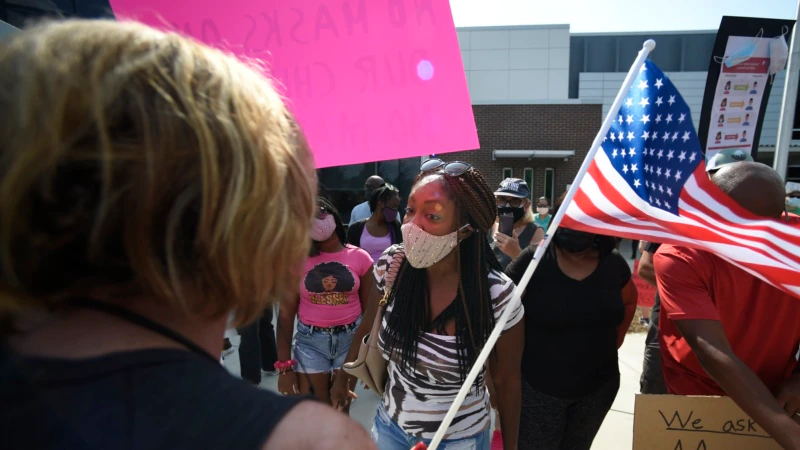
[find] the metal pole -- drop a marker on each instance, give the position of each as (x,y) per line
(786,123)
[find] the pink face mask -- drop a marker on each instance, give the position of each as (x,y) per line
(322,229)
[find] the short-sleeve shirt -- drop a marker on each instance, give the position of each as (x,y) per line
(543,223)
(571,325)
(419,400)
(329,288)
(761,322)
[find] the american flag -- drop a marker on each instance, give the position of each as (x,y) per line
(648,181)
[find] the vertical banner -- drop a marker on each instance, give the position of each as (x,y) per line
(738,84)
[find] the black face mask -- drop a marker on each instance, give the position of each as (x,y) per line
(518,213)
(574,241)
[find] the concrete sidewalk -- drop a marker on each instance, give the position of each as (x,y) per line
(616,432)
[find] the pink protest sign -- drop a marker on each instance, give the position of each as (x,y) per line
(367,79)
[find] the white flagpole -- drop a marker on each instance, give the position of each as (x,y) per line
(648,47)
(786,123)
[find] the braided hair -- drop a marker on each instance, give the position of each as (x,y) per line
(340,233)
(473,308)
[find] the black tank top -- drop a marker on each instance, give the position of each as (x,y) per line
(148,399)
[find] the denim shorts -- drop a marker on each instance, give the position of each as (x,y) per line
(388,435)
(321,351)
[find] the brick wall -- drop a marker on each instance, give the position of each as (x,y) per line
(532,127)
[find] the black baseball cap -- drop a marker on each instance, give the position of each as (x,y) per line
(513,187)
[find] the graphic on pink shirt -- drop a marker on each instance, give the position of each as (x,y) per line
(329,290)
(329,283)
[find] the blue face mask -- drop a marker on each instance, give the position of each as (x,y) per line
(741,55)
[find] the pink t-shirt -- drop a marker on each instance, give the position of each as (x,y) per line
(329,289)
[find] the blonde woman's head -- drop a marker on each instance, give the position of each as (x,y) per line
(148,164)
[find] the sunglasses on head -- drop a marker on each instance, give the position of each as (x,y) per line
(453,169)
(388,186)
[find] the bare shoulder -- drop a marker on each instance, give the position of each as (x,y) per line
(312,425)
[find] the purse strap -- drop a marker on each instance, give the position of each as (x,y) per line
(376,325)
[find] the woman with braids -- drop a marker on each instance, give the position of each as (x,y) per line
(577,318)
(381,229)
(445,290)
(334,285)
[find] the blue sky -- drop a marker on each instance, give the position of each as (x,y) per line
(593,16)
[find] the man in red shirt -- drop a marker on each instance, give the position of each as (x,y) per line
(726,332)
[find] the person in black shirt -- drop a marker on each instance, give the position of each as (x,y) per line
(151,187)
(578,306)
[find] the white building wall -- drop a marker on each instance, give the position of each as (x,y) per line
(605,85)
(516,64)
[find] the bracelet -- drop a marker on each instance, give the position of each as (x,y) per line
(285,366)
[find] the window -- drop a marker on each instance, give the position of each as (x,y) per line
(528,177)
(507,172)
(549,184)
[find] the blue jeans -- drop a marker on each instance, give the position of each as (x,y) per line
(321,351)
(388,435)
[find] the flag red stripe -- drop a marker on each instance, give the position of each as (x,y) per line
(744,227)
(777,275)
(745,239)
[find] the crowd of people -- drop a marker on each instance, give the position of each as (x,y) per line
(155,192)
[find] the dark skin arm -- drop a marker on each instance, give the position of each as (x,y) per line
(287,383)
(344,384)
(789,395)
(708,341)
(506,372)
(370,307)
(630,297)
(647,271)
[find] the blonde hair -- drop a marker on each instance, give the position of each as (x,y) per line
(145,162)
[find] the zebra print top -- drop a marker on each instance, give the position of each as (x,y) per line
(419,401)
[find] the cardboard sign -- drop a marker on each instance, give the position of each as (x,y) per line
(674,422)
(368,80)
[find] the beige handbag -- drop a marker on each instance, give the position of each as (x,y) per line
(370,366)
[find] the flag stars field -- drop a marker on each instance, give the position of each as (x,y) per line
(671,196)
